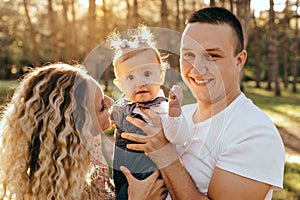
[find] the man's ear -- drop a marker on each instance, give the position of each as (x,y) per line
(241,59)
(117,84)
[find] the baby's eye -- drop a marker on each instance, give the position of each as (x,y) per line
(130,77)
(147,73)
(188,55)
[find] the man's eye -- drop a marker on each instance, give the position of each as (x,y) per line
(212,57)
(130,77)
(147,73)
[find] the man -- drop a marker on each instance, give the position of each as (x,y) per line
(237,152)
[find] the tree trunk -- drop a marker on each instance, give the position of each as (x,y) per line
(231,5)
(177,25)
(273,49)
(53,36)
(106,72)
(243,14)
(135,13)
(105,17)
(32,33)
(128,16)
(67,31)
(164,14)
(285,45)
(256,53)
(91,25)
(270,34)
(74,42)
(296,50)
(184,15)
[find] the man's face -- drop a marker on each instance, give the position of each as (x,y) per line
(208,64)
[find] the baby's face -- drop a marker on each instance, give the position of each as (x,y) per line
(139,76)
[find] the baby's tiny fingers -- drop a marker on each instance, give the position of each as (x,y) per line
(177,91)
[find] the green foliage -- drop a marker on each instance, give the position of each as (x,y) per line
(291,183)
(6,91)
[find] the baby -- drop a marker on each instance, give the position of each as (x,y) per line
(139,70)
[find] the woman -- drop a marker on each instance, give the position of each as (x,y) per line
(46,134)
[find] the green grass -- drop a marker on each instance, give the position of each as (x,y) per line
(6,91)
(6,86)
(291,183)
(283,110)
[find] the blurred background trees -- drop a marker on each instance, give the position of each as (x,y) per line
(36,32)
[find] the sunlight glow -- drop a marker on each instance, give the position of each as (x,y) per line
(263,5)
(259,5)
(292,158)
(85,3)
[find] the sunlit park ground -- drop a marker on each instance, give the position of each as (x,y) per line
(284,111)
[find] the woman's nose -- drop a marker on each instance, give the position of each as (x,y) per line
(109,101)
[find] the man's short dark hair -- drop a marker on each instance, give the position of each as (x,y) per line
(217,15)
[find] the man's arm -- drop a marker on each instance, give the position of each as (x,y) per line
(223,184)
(226,185)
(179,183)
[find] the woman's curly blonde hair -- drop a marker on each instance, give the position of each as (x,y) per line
(45,135)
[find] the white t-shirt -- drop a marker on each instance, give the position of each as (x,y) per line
(240,139)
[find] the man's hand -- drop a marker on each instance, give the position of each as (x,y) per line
(151,188)
(155,145)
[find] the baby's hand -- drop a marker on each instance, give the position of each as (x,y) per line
(176,97)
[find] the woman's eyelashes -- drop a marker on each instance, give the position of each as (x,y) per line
(104,106)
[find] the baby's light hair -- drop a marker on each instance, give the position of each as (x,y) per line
(140,39)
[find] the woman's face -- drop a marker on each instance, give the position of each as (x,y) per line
(99,108)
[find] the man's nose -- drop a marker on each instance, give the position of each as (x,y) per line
(199,66)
